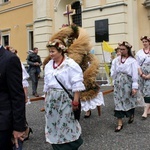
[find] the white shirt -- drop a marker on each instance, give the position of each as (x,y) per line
(68,73)
(130,67)
(25,75)
(142,58)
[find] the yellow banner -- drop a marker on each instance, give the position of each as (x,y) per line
(107,69)
(107,47)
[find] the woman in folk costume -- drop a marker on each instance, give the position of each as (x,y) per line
(124,72)
(143,59)
(62,130)
(79,47)
(25,82)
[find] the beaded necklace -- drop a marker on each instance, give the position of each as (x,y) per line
(58,64)
(123,61)
(146,52)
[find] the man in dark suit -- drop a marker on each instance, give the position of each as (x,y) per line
(12,99)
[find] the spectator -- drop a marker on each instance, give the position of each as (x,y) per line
(12,101)
(34,62)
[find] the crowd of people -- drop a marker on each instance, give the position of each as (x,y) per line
(131,81)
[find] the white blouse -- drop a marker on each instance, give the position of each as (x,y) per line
(25,76)
(130,67)
(142,58)
(68,73)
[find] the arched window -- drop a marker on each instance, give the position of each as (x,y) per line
(77,17)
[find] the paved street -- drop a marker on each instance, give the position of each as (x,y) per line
(97,132)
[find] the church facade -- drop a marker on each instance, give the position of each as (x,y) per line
(30,23)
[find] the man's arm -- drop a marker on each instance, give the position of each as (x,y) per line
(16,92)
(29,62)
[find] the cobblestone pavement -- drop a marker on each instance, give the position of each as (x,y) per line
(97,132)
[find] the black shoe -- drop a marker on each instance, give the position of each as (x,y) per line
(28,134)
(36,95)
(87,116)
(131,119)
(119,128)
(144,118)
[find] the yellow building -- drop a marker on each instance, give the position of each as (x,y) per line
(28,23)
(16,24)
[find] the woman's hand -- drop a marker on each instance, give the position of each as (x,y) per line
(75,105)
(134,91)
(75,102)
(145,76)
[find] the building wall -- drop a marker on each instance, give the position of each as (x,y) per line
(43,24)
(16,19)
(117,20)
(128,20)
(143,21)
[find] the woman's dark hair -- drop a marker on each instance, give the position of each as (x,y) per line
(128,46)
(145,38)
(130,52)
(117,49)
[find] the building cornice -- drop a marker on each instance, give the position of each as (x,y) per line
(29,25)
(5,30)
(42,20)
(104,7)
(56,3)
(15,7)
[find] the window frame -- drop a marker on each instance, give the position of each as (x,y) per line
(30,47)
(2,38)
(78,13)
(5,0)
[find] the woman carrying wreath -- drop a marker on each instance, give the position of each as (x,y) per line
(62,130)
(79,45)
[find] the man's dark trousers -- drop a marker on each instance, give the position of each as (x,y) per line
(34,79)
(5,138)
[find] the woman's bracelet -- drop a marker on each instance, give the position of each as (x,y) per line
(141,74)
(75,103)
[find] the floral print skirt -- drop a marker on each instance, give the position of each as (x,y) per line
(146,83)
(123,99)
(61,127)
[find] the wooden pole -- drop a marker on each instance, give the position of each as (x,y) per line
(37,99)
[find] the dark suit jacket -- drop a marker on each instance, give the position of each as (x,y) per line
(31,59)
(12,98)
